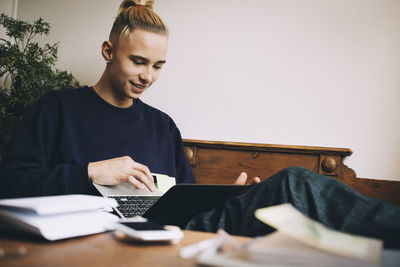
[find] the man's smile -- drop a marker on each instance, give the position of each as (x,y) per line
(139,86)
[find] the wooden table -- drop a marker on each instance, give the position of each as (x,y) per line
(106,250)
(96,250)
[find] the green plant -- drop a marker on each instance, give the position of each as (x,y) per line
(27,71)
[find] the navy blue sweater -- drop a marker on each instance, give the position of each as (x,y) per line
(67,129)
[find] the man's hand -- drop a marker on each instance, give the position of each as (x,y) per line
(241,180)
(119,170)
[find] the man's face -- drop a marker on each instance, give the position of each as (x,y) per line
(136,64)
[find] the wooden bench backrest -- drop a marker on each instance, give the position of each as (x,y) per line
(215,162)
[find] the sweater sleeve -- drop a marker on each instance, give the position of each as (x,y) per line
(28,168)
(183,169)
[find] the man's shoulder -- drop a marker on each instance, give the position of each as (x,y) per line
(68,92)
(155,112)
(62,96)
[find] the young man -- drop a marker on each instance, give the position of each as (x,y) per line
(105,133)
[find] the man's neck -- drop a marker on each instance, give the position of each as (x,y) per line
(104,89)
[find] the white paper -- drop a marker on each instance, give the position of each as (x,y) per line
(58,226)
(59,204)
(288,220)
(164,182)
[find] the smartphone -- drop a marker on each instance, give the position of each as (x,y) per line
(147,231)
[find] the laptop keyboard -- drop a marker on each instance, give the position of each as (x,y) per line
(131,206)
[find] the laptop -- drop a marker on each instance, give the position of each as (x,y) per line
(131,200)
(184,201)
(175,207)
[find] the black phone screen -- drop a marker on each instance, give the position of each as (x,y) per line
(143,226)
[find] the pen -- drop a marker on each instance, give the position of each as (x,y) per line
(209,246)
(196,248)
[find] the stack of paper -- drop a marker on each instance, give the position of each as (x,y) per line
(300,241)
(309,240)
(58,217)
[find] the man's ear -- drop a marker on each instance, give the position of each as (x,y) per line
(106,50)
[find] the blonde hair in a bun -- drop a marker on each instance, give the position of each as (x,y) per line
(130,3)
(134,14)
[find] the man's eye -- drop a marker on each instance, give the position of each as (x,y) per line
(138,62)
(157,66)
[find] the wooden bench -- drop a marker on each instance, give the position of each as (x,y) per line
(215,162)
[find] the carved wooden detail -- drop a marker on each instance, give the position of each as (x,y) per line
(329,164)
(190,153)
(215,162)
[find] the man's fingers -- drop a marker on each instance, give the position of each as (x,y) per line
(135,182)
(118,170)
(144,169)
(241,180)
(143,178)
(255,180)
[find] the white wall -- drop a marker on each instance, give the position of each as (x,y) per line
(6,7)
(310,72)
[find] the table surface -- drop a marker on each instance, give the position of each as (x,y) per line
(107,250)
(96,250)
